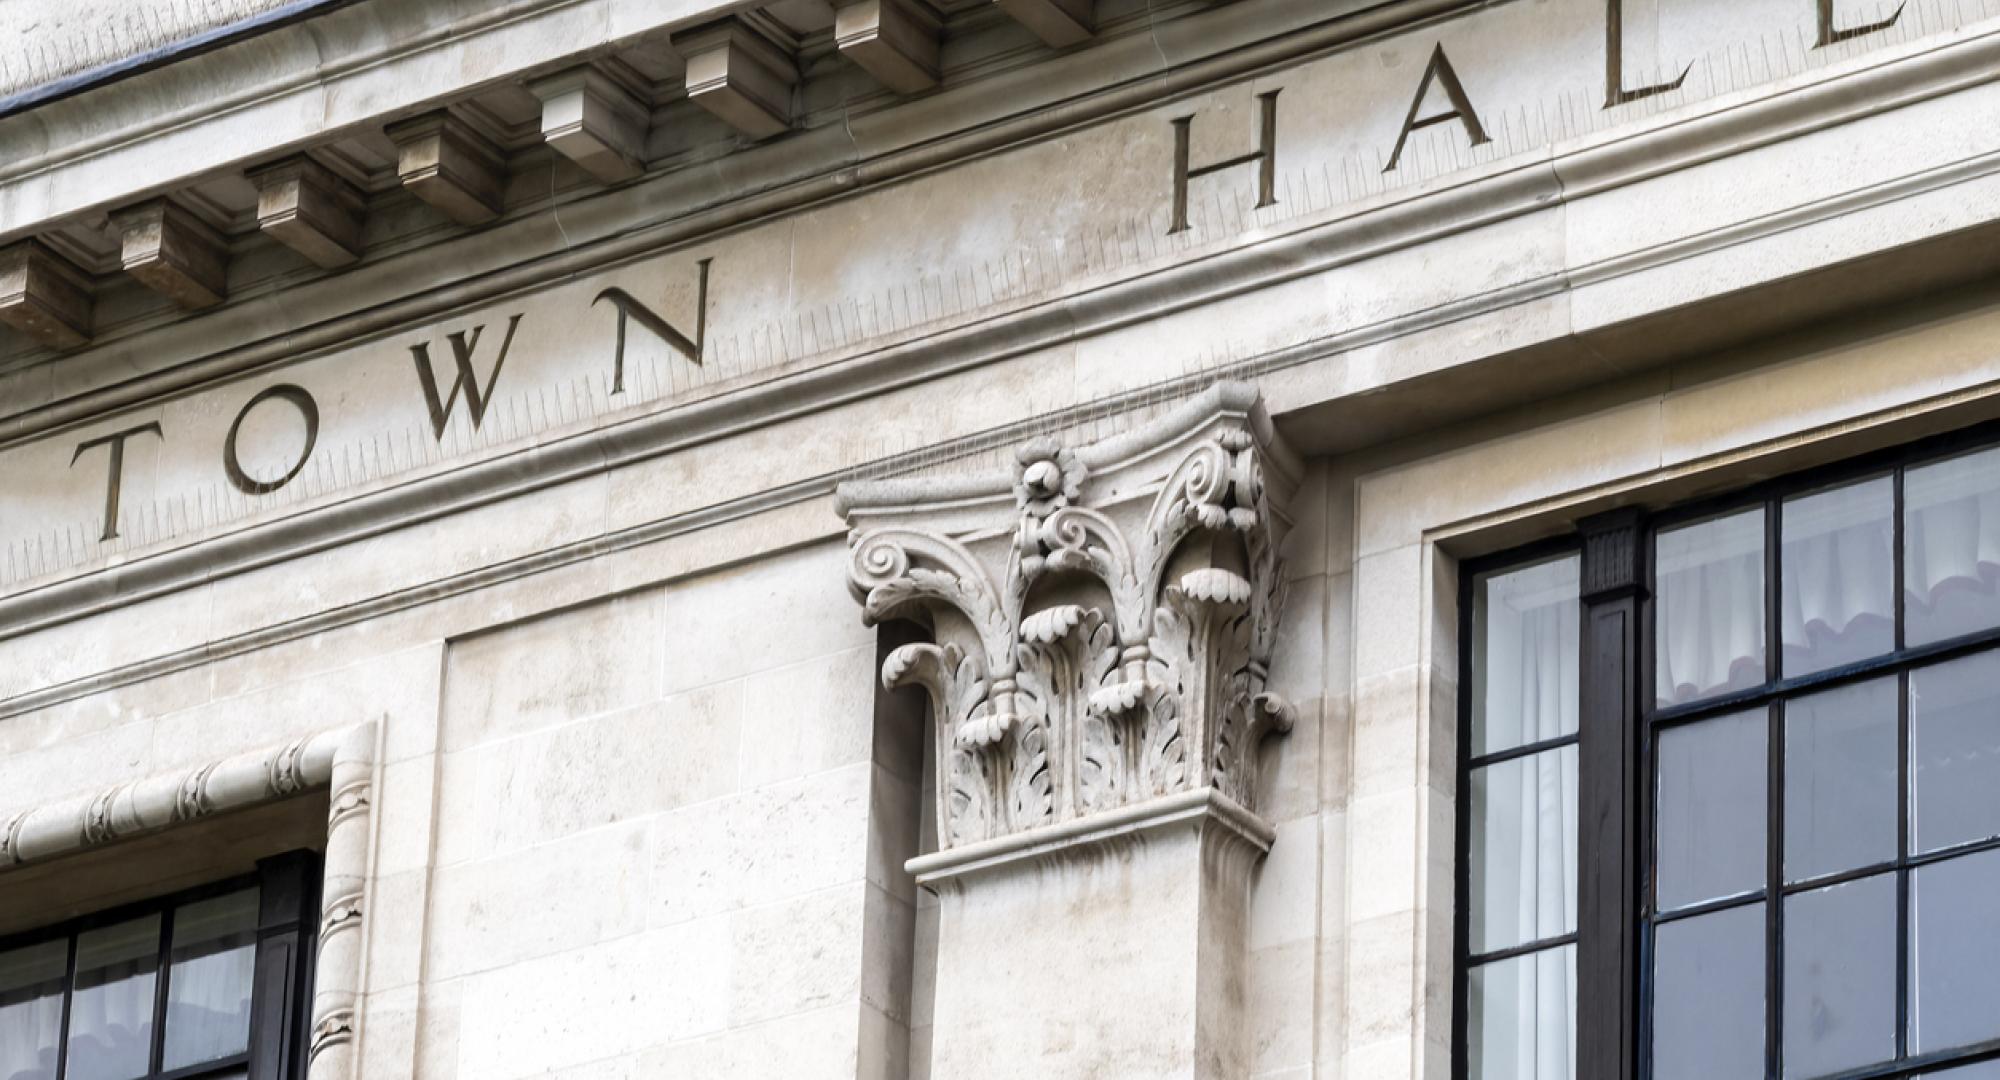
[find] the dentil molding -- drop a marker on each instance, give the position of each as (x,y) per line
(1103,622)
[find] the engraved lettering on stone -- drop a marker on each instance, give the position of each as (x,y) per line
(116,470)
(630,308)
(1439,70)
(1265,156)
(1615,92)
(1832,35)
(308,409)
(463,348)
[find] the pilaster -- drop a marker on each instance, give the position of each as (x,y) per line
(1103,620)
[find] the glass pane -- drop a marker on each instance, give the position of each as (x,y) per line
(208,991)
(1955,752)
(1709,582)
(1708,996)
(31,1009)
(1838,576)
(1524,655)
(1954,953)
(1840,779)
(1951,547)
(1523,850)
(1521,1014)
(1710,839)
(1840,977)
(111,1012)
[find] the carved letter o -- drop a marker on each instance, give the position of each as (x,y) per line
(308,409)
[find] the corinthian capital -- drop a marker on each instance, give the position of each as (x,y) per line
(1103,615)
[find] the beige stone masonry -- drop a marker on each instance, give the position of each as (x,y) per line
(894,40)
(593,120)
(444,162)
(742,73)
(1060,23)
(309,208)
(169,250)
(44,295)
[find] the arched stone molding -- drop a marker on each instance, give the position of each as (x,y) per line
(340,762)
(1103,619)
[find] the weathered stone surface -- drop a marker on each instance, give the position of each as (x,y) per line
(44,295)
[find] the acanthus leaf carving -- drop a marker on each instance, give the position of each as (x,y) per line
(1074,678)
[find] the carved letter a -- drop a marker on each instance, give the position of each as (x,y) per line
(476,398)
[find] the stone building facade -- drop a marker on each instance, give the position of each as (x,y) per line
(1110,539)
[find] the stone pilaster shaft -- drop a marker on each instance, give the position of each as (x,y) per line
(1103,621)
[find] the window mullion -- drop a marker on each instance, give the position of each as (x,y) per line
(1608,839)
(156,1062)
(62,1029)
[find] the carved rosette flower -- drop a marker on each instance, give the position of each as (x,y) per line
(1052,714)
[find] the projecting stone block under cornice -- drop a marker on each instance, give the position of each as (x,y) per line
(44,295)
(169,250)
(896,41)
(447,164)
(1061,23)
(309,208)
(738,73)
(590,119)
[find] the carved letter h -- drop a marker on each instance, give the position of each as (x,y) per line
(1266,156)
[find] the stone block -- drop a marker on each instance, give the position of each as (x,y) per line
(309,208)
(738,72)
(595,121)
(896,41)
(1060,23)
(44,295)
(445,162)
(169,250)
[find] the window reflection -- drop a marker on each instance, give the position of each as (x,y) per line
(1710,834)
(1708,996)
(1955,752)
(1954,953)
(1840,977)
(1521,1013)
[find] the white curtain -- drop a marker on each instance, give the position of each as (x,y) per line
(31,1010)
(111,1010)
(1709,588)
(1952,570)
(208,996)
(1525,822)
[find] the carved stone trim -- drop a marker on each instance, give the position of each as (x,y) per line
(1205,806)
(342,762)
(1105,614)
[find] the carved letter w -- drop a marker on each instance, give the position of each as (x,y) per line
(476,399)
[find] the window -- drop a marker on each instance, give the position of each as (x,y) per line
(203,984)
(1731,787)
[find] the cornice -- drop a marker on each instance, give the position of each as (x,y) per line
(658,214)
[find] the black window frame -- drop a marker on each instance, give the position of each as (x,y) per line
(287,932)
(1618,724)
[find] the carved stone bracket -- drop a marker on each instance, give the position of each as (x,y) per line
(1104,617)
(341,762)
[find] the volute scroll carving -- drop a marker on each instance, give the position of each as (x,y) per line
(1104,617)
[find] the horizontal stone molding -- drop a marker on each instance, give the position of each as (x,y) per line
(1125,825)
(135,808)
